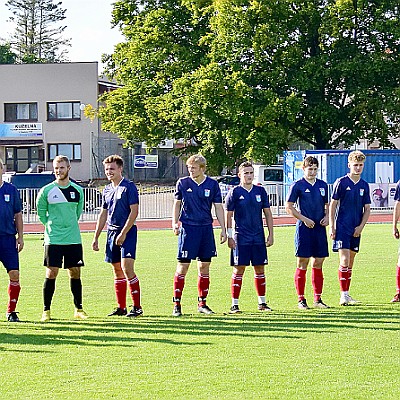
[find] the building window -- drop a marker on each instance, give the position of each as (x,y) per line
(63,111)
(17,112)
(71,150)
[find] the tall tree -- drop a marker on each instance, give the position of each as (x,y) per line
(38,33)
(256,76)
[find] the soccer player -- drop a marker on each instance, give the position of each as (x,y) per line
(310,195)
(348,213)
(396,216)
(247,203)
(120,210)
(194,198)
(10,246)
(59,207)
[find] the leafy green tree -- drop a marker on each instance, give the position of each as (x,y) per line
(246,79)
(38,33)
(6,55)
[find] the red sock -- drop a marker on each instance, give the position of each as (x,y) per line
(300,282)
(343,274)
(203,284)
(259,282)
(236,285)
(179,284)
(317,279)
(398,279)
(134,288)
(350,271)
(120,286)
(13,293)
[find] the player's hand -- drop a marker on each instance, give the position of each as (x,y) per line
(357,231)
(175,229)
(95,245)
(332,233)
(270,241)
(309,223)
(396,233)
(324,221)
(231,243)
(223,237)
(20,243)
(120,239)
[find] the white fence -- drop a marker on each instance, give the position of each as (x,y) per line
(156,202)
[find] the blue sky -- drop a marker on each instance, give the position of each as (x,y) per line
(88,25)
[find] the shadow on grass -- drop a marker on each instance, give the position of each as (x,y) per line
(182,331)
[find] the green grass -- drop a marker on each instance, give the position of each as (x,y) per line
(349,352)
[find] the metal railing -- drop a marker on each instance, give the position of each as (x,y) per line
(156,202)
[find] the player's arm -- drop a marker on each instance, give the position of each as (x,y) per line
(19,225)
(359,228)
(219,212)
(176,211)
(332,213)
(291,209)
(101,221)
(325,221)
(229,229)
(396,216)
(81,203)
(41,207)
(134,211)
(270,226)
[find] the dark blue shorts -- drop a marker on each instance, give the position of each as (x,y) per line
(244,255)
(9,252)
(115,253)
(196,242)
(345,241)
(311,242)
(72,254)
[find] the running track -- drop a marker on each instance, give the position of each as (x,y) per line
(154,224)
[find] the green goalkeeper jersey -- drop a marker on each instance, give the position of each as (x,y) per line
(59,209)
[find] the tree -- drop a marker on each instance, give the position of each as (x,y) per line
(38,35)
(246,79)
(6,55)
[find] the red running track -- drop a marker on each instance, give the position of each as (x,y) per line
(153,224)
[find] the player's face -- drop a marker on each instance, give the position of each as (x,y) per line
(195,171)
(356,168)
(246,175)
(113,172)
(61,170)
(310,172)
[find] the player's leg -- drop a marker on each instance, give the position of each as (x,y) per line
(261,287)
(236,287)
(317,279)
(120,288)
(396,298)
(14,289)
(300,281)
(127,265)
(179,284)
(203,285)
(350,299)
(343,274)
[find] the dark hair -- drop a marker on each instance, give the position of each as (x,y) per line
(114,158)
(309,161)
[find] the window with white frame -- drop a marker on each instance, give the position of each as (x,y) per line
(71,150)
(63,111)
(17,112)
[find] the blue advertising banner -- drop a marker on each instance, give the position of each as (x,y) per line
(21,129)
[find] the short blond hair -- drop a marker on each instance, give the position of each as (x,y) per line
(197,159)
(61,158)
(356,156)
(245,164)
(114,158)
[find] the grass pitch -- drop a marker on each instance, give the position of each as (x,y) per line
(342,352)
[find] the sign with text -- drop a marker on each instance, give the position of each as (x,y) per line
(21,129)
(145,161)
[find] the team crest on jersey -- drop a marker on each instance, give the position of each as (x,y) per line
(322,191)
(72,194)
(258,198)
(6,198)
(207,192)
(361,192)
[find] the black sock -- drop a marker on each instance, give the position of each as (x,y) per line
(76,289)
(48,291)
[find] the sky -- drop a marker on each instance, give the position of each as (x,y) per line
(88,25)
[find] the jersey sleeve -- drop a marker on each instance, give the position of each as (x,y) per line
(178,190)
(325,196)
(217,193)
(17,201)
(336,191)
(81,202)
(229,202)
(133,194)
(397,193)
(265,199)
(292,195)
(367,195)
(41,205)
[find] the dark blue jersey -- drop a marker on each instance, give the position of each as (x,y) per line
(248,212)
(10,204)
(197,200)
(117,201)
(310,198)
(351,197)
(397,193)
